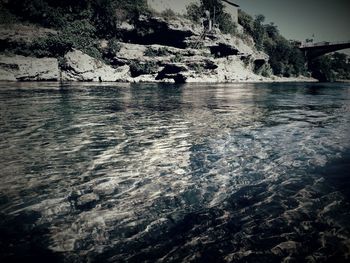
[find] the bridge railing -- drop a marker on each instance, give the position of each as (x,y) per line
(323,43)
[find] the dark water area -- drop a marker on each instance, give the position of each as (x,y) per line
(166,173)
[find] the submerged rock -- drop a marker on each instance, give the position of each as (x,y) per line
(87,201)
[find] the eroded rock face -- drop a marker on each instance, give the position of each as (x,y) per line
(150,30)
(154,50)
(82,67)
(20,68)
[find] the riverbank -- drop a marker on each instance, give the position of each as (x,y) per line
(173,51)
(81,67)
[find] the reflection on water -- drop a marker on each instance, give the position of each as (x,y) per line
(243,173)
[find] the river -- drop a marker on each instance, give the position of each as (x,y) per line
(174,173)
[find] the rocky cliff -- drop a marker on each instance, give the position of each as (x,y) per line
(154,49)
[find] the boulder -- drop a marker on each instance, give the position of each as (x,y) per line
(81,67)
(87,201)
(13,68)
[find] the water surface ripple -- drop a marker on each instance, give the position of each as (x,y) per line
(164,173)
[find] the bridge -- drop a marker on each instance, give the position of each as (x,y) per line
(314,50)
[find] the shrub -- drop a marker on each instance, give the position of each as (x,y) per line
(194,12)
(246,21)
(137,68)
(196,67)
(177,58)
(113,48)
(6,17)
(168,14)
(226,24)
(78,34)
(105,15)
(150,52)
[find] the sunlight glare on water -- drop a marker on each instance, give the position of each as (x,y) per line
(145,172)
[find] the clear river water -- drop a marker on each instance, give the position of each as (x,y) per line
(174,173)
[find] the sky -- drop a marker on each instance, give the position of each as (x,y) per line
(327,20)
(300,19)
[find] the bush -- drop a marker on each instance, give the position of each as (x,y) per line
(168,14)
(6,17)
(78,34)
(226,24)
(246,21)
(105,15)
(137,68)
(196,67)
(177,58)
(50,46)
(113,48)
(160,52)
(194,12)
(330,67)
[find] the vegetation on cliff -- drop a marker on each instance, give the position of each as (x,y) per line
(331,67)
(82,24)
(224,20)
(285,58)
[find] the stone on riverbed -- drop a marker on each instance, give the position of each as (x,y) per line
(87,201)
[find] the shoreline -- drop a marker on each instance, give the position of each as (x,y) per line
(284,80)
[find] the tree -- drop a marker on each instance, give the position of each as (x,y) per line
(246,21)
(194,12)
(271,30)
(258,31)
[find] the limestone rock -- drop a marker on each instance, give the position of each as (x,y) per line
(150,30)
(87,200)
(14,68)
(286,248)
(81,67)
(106,188)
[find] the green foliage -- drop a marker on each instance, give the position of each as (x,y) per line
(196,67)
(285,59)
(265,70)
(50,46)
(78,34)
(246,21)
(104,15)
(272,31)
(331,67)
(6,17)
(137,68)
(82,36)
(113,47)
(226,24)
(194,12)
(178,58)
(258,33)
(168,14)
(160,52)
